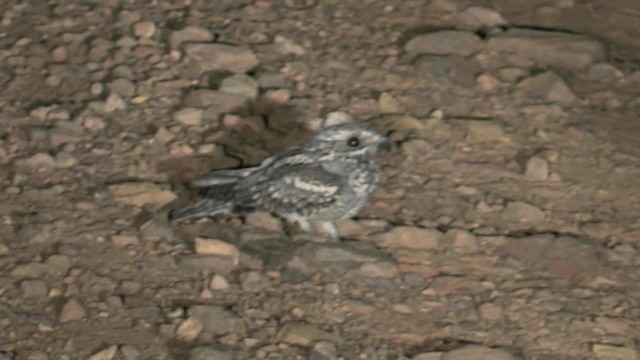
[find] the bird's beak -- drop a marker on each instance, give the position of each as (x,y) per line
(384,144)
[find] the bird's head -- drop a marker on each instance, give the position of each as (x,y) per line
(348,139)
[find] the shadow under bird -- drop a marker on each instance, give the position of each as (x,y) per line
(329,178)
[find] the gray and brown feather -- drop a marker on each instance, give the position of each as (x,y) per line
(330,178)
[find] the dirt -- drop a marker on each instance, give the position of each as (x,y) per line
(506,225)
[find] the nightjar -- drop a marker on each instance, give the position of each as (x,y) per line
(329,178)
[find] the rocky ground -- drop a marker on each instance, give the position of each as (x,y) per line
(507,225)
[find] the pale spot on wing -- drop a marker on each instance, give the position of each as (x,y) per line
(311,186)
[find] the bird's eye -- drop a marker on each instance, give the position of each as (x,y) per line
(353,141)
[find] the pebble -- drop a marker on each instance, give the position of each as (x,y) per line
(217,247)
(324,350)
(476,352)
(410,238)
(603,72)
(305,335)
(122,87)
(72,310)
(264,220)
(490,311)
(254,281)
(106,354)
(31,270)
(551,87)
(215,103)
(59,54)
(520,211)
(240,84)
(188,116)
(130,352)
(114,103)
(189,329)
(428,356)
(215,57)
(218,282)
(124,240)
(479,130)
(35,289)
(387,104)
(475,18)
(445,42)
(37,162)
(140,194)
(189,34)
(550,48)
(144,29)
(461,240)
(611,352)
(536,168)
(211,352)
(215,320)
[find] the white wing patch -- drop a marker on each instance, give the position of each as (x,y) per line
(314,187)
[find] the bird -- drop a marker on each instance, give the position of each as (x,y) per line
(327,179)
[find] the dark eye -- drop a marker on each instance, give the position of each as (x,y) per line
(353,141)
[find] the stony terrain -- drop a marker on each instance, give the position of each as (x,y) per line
(507,225)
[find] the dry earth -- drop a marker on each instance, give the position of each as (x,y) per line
(507,225)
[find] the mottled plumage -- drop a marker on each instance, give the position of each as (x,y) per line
(330,178)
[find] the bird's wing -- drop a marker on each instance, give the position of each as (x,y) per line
(221,177)
(299,187)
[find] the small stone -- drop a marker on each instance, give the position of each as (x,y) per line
(188,116)
(215,103)
(335,118)
(38,161)
(106,354)
(409,237)
(485,130)
(35,289)
(324,350)
(164,136)
(94,123)
(211,352)
(218,282)
(141,193)
(461,240)
(214,57)
(58,264)
(215,320)
(603,72)
(114,102)
(416,148)
(144,29)
(205,246)
(476,352)
(189,34)
(123,87)
(428,356)
(549,48)
(306,335)
(130,352)
(549,86)
(189,329)
(520,211)
(287,46)
(4,250)
(124,240)
(129,287)
(30,270)
(72,310)
(537,168)
(27,355)
(264,220)
(59,54)
(490,311)
(445,42)
(475,18)
(240,84)
(611,352)
(387,104)
(447,285)
(253,281)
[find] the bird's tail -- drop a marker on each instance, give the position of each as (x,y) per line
(202,208)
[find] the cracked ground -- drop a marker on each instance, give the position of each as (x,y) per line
(506,225)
